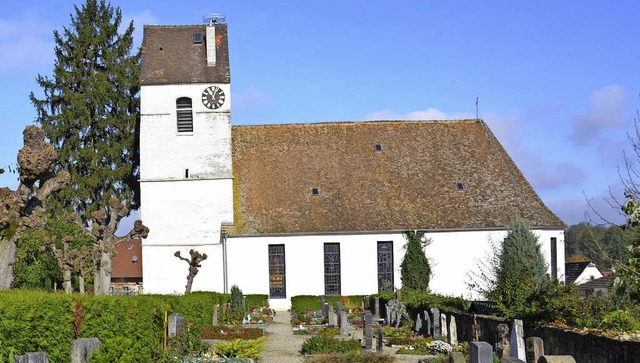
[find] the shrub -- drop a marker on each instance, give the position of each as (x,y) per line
(352,357)
(239,348)
(620,320)
(121,350)
(440,347)
(319,344)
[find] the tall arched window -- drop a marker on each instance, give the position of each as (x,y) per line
(184,114)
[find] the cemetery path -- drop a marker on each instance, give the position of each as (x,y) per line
(281,345)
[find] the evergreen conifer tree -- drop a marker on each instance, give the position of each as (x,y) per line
(415,271)
(89,113)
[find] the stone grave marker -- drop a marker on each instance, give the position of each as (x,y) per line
(81,349)
(367,302)
(368,331)
(388,311)
(480,352)
(443,326)
(339,312)
(556,359)
(332,316)
(427,323)
(216,311)
(511,360)
(453,331)
(379,340)
(376,307)
(418,327)
(517,341)
(456,357)
(502,340)
(176,324)
(34,357)
(323,306)
(437,333)
(344,324)
(535,349)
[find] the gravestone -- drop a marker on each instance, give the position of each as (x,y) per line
(556,359)
(368,331)
(344,324)
(82,348)
(323,306)
(379,340)
(453,331)
(456,357)
(376,307)
(517,341)
(511,360)
(216,311)
(176,324)
(443,326)
(427,323)
(437,333)
(339,312)
(418,327)
(367,303)
(37,357)
(388,311)
(332,317)
(535,349)
(502,340)
(480,352)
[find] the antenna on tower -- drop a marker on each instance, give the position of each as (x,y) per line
(213,19)
(476,109)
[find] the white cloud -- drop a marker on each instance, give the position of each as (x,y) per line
(606,113)
(26,43)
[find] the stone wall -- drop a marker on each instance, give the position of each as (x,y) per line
(585,348)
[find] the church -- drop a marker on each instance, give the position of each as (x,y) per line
(311,208)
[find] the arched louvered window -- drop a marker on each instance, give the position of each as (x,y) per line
(184,114)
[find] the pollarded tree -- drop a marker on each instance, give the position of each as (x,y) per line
(415,271)
(21,209)
(194,265)
(90,113)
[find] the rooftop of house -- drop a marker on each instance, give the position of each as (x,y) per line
(377,176)
(127,263)
(595,287)
(573,270)
(177,54)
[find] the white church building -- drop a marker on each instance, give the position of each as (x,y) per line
(311,208)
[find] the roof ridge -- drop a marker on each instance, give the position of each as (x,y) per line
(324,123)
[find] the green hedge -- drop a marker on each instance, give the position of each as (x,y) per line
(304,303)
(420,300)
(33,321)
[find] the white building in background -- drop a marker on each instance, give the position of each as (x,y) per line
(316,208)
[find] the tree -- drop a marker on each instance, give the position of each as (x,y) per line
(90,113)
(415,271)
(194,266)
(626,284)
(21,209)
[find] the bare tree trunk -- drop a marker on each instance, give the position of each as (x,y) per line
(102,281)
(66,277)
(189,283)
(7,258)
(81,283)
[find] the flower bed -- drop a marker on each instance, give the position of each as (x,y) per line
(230,333)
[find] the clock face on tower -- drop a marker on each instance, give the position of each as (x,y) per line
(213,97)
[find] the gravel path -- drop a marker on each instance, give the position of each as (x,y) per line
(281,345)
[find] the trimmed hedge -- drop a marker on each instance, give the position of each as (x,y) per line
(36,321)
(303,303)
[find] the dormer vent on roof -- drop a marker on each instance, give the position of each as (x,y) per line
(197,38)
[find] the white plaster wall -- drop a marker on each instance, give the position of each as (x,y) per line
(165,153)
(453,254)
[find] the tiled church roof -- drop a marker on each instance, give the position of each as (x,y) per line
(426,175)
(171,57)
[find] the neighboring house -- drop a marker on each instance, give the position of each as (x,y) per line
(317,208)
(126,276)
(595,288)
(580,272)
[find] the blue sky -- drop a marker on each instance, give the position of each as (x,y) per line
(557,82)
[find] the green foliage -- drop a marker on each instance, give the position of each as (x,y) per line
(321,344)
(237,299)
(301,304)
(602,245)
(626,285)
(417,301)
(350,357)
(121,350)
(257,301)
(415,270)
(90,108)
(621,320)
(550,303)
(239,348)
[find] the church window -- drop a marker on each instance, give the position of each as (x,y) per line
(184,114)
(385,266)
(315,191)
(277,281)
(332,269)
(554,258)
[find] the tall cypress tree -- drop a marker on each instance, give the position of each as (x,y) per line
(90,112)
(415,271)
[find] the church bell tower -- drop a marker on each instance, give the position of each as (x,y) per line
(186,179)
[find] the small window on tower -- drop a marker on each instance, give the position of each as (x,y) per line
(315,191)
(184,114)
(378,147)
(460,186)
